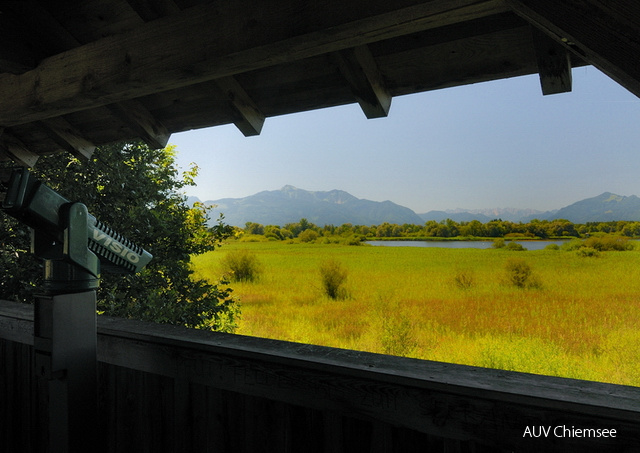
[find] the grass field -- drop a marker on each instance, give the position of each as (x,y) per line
(581,320)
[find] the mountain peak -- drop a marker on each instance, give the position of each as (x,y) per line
(336,207)
(290,204)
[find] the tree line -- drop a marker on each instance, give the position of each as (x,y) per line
(306,231)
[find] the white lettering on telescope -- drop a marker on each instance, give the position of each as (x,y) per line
(116,247)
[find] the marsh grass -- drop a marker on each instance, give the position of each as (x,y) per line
(581,322)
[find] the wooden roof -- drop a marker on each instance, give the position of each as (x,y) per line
(80,73)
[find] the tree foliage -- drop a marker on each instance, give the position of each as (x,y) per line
(497,228)
(135,190)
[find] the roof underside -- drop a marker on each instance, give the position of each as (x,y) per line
(76,74)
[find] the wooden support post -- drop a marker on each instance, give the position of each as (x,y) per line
(554,64)
(359,68)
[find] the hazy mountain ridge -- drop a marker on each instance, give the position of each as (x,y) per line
(336,207)
(290,204)
(605,207)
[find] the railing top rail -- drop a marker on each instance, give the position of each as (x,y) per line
(451,400)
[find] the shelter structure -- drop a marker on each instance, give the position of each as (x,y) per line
(78,74)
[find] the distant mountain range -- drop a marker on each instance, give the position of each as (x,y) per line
(336,207)
(290,204)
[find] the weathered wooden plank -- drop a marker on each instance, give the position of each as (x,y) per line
(359,68)
(153,9)
(69,138)
(451,407)
(16,322)
(138,118)
(464,403)
(251,118)
(554,64)
(168,53)
(16,150)
(606,33)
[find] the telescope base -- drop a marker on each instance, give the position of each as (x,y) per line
(65,345)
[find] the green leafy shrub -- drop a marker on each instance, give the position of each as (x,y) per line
(572,245)
(515,247)
(609,243)
(520,274)
(464,279)
(588,252)
(333,276)
(241,265)
(308,236)
(552,247)
(498,243)
(353,240)
(397,335)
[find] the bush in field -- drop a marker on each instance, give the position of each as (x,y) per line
(241,265)
(498,243)
(397,331)
(519,273)
(514,246)
(552,247)
(333,276)
(353,240)
(588,252)
(308,236)
(464,279)
(397,336)
(608,243)
(572,245)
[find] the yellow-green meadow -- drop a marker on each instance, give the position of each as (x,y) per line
(577,316)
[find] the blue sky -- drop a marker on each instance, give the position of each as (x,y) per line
(490,145)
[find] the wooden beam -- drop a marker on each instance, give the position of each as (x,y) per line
(148,128)
(65,135)
(13,147)
(208,42)
(606,34)
(251,119)
(359,68)
(554,64)
(153,9)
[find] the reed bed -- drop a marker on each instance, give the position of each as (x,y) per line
(582,319)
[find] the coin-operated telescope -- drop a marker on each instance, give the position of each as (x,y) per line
(75,247)
(73,243)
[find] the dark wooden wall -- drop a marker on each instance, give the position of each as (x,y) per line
(169,389)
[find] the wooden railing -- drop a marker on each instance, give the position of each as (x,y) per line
(172,389)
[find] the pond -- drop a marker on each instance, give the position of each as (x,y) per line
(529,245)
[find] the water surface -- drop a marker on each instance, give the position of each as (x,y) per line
(529,245)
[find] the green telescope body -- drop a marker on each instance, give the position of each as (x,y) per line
(53,217)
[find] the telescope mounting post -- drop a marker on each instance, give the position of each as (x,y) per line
(65,333)
(74,246)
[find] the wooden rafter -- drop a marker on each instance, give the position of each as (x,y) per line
(70,139)
(606,34)
(152,57)
(13,147)
(153,9)
(359,68)
(251,119)
(554,64)
(148,128)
